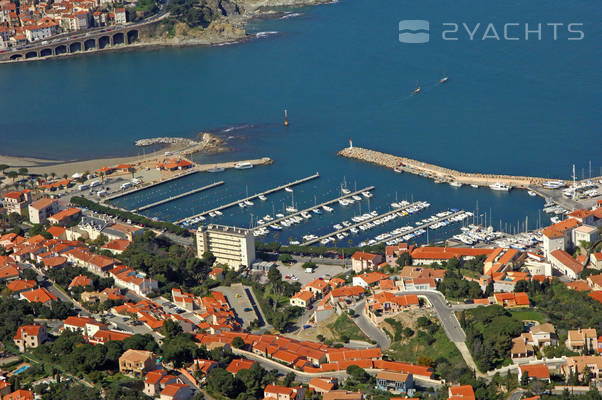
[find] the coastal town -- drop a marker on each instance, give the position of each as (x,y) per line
(109,303)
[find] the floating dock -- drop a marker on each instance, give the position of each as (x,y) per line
(255,196)
(423,226)
(368,220)
(277,220)
(440,173)
(179,196)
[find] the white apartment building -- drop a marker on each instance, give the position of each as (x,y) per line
(230,245)
(40,210)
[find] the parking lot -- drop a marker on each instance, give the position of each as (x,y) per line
(296,270)
(240,302)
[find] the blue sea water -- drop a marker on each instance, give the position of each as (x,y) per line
(528,107)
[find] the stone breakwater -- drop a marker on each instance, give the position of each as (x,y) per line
(164,140)
(437,172)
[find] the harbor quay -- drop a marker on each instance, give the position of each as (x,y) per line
(439,173)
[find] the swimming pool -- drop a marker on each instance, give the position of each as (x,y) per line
(21,369)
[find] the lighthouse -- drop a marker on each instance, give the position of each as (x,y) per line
(285,118)
(351,143)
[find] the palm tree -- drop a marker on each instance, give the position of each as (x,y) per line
(133,171)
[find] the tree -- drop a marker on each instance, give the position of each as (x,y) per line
(238,343)
(404,259)
(221,381)
(521,286)
(12,175)
(285,258)
(489,289)
(4,167)
(170,329)
(29,274)
(22,171)
(289,379)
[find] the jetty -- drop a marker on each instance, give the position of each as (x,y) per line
(193,170)
(423,226)
(366,221)
(255,196)
(179,196)
(145,186)
(326,203)
(232,164)
(439,173)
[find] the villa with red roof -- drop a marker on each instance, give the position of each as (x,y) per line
(40,295)
(464,392)
(16,202)
(565,263)
(429,255)
(30,336)
(239,364)
(512,300)
(65,217)
(40,210)
(361,261)
(534,371)
(275,392)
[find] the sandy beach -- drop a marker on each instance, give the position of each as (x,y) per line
(62,167)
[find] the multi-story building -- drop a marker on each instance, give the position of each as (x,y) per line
(15,202)
(582,339)
(230,245)
(40,210)
(30,336)
(136,363)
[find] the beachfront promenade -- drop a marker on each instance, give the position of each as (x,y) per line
(437,172)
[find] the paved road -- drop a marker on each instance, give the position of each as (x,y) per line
(450,324)
(368,328)
(516,394)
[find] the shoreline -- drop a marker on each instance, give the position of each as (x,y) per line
(40,166)
(260,11)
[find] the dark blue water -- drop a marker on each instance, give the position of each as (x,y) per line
(522,107)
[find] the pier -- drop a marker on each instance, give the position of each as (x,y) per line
(366,221)
(179,196)
(277,220)
(423,226)
(196,169)
(150,185)
(440,173)
(255,196)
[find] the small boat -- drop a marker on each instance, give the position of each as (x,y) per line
(212,214)
(455,184)
(291,209)
(262,197)
(218,212)
(243,165)
(276,227)
(345,191)
(356,197)
(417,90)
(316,211)
(443,80)
(500,187)
(215,169)
(474,186)
(248,203)
(279,215)
(327,209)
(288,189)
(531,193)
(242,204)
(398,170)
(367,194)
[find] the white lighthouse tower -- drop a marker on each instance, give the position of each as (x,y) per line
(351,143)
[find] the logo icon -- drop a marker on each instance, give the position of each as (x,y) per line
(414,31)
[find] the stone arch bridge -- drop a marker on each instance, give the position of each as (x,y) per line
(108,38)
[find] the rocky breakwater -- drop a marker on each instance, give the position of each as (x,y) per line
(434,171)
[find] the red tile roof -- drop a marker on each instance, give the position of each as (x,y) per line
(40,295)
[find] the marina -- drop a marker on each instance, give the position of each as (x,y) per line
(411,231)
(372,218)
(172,198)
(248,199)
(306,211)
